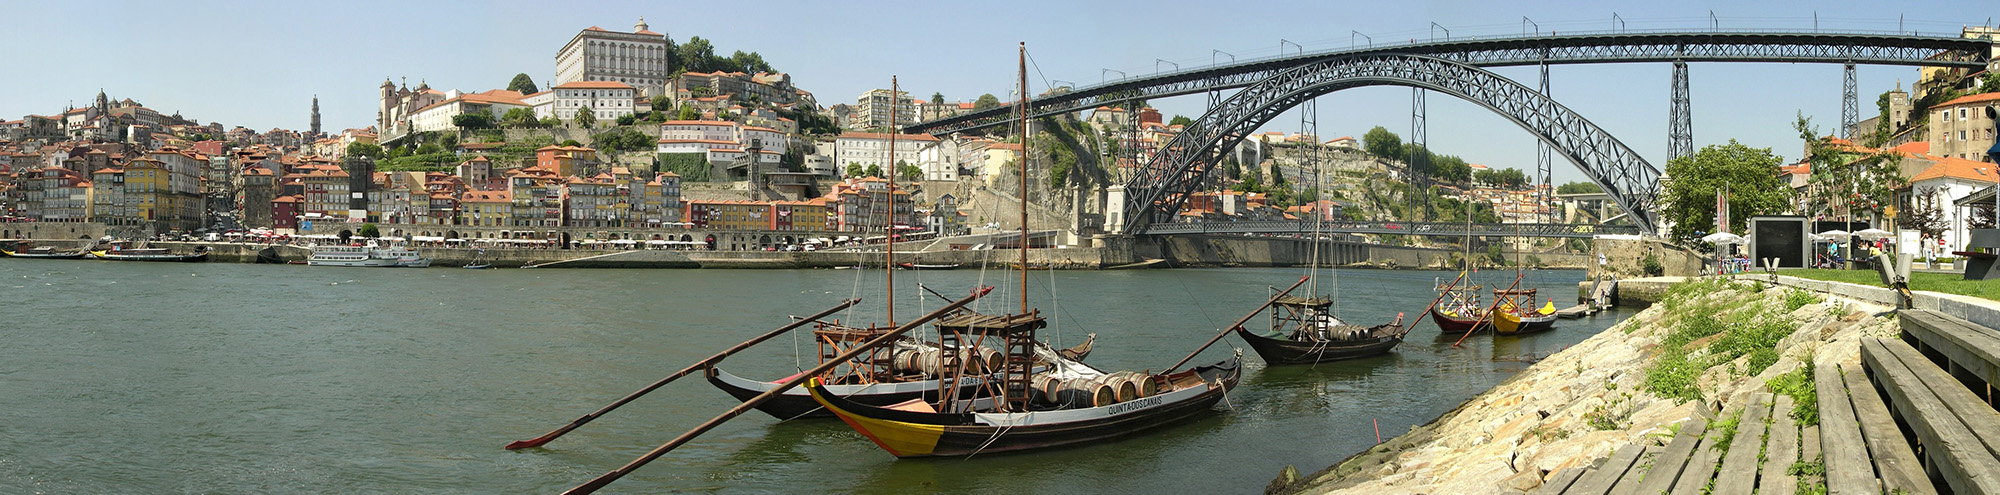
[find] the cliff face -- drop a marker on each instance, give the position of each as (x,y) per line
(1706,346)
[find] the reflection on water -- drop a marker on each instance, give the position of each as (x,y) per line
(282,379)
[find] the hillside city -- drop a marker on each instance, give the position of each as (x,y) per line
(635,134)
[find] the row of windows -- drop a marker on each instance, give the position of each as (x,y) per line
(1962,135)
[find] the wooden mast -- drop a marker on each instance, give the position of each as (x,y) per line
(1023,108)
(889,239)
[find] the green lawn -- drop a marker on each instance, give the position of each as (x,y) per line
(1935,282)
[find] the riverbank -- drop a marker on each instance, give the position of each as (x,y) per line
(1706,346)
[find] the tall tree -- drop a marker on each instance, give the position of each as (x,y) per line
(1750,173)
(1180,120)
(697,55)
(1847,182)
(523,84)
(937,98)
(585,117)
(1380,142)
(986,101)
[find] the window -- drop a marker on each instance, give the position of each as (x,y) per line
(1961,135)
(1961,114)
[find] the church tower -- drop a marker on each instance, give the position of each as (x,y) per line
(315,116)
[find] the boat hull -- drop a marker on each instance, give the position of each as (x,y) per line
(46,256)
(797,403)
(1286,351)
(909,434)
(1512,324)
(1451,324)
(169,258)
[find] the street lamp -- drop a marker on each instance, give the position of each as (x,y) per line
(1157,62)
(1121,75)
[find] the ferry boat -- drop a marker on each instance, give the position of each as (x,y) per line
(366,256)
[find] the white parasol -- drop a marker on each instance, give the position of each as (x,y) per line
(1873,234)
(1723,238)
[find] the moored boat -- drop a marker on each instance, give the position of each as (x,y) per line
(1303,331)
(366,256)
(44,252)
(150,254)
(1514,318)
(909,374)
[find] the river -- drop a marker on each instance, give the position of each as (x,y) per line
(236,378)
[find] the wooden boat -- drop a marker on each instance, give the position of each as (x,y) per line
(1513,317)
(478,266)
(861,384)
(916,429)
(1304,331)
(47,253)
(150,254)
(918,266)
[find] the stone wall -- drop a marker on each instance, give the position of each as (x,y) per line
(1625,258)
(51,230)
(1237,250)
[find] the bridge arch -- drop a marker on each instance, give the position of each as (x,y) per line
(1159,187)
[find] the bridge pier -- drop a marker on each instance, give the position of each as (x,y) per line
(1680,115)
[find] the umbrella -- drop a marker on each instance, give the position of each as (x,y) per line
(1835,234)
(1816,237)
(1872,234)
(1723,238)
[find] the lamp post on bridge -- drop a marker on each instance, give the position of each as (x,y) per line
(1157,62)
(1103,79)
(1213,53)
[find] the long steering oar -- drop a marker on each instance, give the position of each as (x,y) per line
(1232,327)
(787,384)
(1434,303)
(697,366)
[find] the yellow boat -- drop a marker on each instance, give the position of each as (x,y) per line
(1508,321)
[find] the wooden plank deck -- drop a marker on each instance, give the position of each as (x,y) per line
(1780,451)
(1848,470)
(1600,479)
(1668,465)
(1700,466)
(1559,481)
(1738,474)
(1894,460)
(1951,443)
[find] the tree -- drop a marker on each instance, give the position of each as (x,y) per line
(1845,181)
(874,170)
(854,169)
(518,117)
(986,101)
(1380,142)
(474,120)
(627,119)
(909,172)
(523,84)
(369,230)
(550,121)
(1180,120)
(364,150)
(429,149)
(749,62)
(697,55)
(448,141)
(585,117)
(1924,214)
(571,143)
(689,113)
(1488,177)
(1579,188)
(1750,173)
(937,98)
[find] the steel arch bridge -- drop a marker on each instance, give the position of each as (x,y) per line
(1620,47)
(1160,186)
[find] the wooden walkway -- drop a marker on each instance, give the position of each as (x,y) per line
(1915,415)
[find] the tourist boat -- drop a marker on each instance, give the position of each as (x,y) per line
(1305,331)
(1037,399)
(910,373)
(150,254)
(43,252)
(366,256)
(1514,318)
(1308,330)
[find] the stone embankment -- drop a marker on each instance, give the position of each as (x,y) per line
(1708,345)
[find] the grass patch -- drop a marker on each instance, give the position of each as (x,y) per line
(1799,298)
(1727,427)
(1949,283)
(1746,325)
(1798,384)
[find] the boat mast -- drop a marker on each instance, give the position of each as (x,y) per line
(1023,109)
(889,239)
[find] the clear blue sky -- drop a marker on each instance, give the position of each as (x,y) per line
(258,64)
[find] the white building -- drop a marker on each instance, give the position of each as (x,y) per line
(607,100)
(1937,186)
(543,103)
(722,141)
(638,58)
(438,116)
(939,159)
(867,148)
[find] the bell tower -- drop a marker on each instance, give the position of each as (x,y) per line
(315,116)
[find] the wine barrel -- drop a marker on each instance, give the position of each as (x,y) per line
(1043,388)
(1142,384)
(992,358)
(1086,393)
(1126,387)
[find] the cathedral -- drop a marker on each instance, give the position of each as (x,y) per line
(393,118)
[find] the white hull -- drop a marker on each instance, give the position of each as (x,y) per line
(372,262)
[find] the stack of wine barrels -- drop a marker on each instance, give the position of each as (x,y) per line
(929,361)
(1093,392)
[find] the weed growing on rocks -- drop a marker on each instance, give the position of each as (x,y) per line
(1727,429)
(1742,326)
(1799,298)
(1798,384)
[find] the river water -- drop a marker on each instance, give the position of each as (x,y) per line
(231,378)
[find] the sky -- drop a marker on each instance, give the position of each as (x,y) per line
(259,64)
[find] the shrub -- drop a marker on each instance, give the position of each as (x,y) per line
(1798,384)
(1799,298)
(1651,265)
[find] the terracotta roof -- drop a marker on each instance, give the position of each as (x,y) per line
(1915,147)
(1958,168)
(1968,99)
